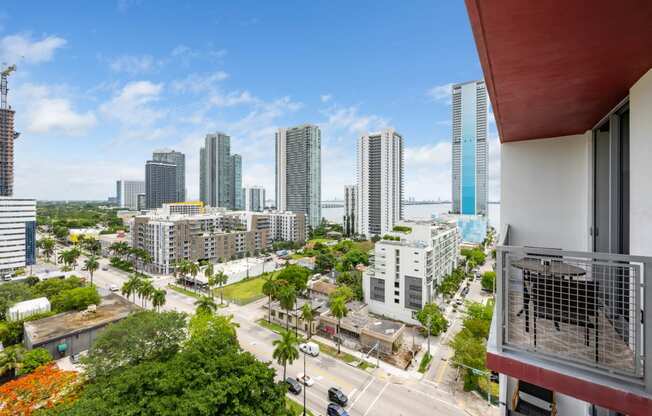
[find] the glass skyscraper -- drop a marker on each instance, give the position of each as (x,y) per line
(469,178)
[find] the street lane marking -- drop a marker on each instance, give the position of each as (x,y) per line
(376,399)
(352,393)
(442,371)
(362,392)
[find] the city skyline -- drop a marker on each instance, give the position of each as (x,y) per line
(131,99)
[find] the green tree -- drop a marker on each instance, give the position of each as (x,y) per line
(269,290)
(353,280)
(47,246)
(33,359)
(11,293)
(205,305)
(488,281)
(432,319)
(91,265)
(286,350)
(158,298)
(352,258)
(308,316)
(75,299)
(324,262)
(287,297)
(209,274)
(142,336)
(220,279)
(144,291)
(339,310)
(297,276)
(130,287)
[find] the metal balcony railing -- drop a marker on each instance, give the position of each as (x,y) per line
(577,308)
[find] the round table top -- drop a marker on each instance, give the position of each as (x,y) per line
(553,267)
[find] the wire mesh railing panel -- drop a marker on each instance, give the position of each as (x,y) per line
(574,308)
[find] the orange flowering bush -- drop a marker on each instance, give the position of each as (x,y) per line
(46,386)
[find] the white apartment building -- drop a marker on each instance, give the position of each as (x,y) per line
(404,273)
(286,226)
(380,182)
(572,328)
(253,198)
(127,193)
(17,233)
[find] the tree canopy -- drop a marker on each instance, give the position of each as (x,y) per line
(433,319)
(75,299)
(297,276)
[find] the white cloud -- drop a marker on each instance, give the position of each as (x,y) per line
(325,98)
(196,83)
(133,104)
(48,113)
(348,119)
(233,98)
(133,64)
(440,92)
(21,48)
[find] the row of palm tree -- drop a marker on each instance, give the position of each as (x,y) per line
(190,268)
(137,285)
(134,255)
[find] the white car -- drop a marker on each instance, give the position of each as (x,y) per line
(305,380)
(113,288)
(309,348)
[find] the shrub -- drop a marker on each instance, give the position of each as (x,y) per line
(33,359)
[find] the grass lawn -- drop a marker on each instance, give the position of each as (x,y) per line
(295,408)
(184,291)
(243,292)
(320,240)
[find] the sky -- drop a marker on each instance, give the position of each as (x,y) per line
(102,84)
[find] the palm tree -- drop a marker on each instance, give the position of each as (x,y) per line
(209,274)
(130,287)
(158,299)
(91,265)
(287,297)
(269,289)
(220,278)
(308,316)
(193,270)
(119,248)
(68,257)
(285,350)
(145,290)
(205,305)
(339,310)
(75,253)
(47,246)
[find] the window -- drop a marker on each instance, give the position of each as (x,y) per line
(396,293)
(397,284)
(396,300)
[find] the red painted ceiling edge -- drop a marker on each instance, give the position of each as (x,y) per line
(618,400)
(475,17)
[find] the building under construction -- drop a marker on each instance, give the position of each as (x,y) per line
(7,137)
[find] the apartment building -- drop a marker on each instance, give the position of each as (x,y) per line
(127,193)
(407,266)
(160,183)
(298,171)
(572,328)
(212,236)
(253,198)
(287,226)
(380,182)
(470,149)
(17,233)
(350,201)
(220,173)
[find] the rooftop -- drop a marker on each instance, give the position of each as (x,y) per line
(111,309)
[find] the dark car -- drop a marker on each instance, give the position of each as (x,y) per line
(335,395)
(335,410)
(293,386)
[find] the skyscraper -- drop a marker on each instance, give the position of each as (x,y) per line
(160,183)
(469,165)
(220,173)
(127,193)
(179,159)
(216,170)
(253,198)
(298,171)
(7,137)
(17,233)
(350,200)
(380,182)
(236,182)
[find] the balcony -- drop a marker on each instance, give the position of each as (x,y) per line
(575,323)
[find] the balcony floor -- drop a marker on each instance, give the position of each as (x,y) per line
(568,341)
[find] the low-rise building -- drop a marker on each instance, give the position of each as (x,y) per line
(283,317)
(406,267)
(70,333)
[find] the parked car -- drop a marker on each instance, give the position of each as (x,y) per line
(309,348)
(305,380)
(336,410)
(114,288)
(293,386)
(105,267)
(336,396)
(459,302)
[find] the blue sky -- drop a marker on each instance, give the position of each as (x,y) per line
(102,84)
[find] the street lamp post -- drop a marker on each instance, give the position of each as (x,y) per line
(305,387)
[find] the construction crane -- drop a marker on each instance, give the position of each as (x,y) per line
(3,85)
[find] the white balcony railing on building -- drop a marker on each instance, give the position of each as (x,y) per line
(578,308)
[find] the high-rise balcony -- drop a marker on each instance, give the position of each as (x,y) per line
(577,323)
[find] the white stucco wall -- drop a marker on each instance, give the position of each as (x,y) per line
(640,111)
(545,192)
